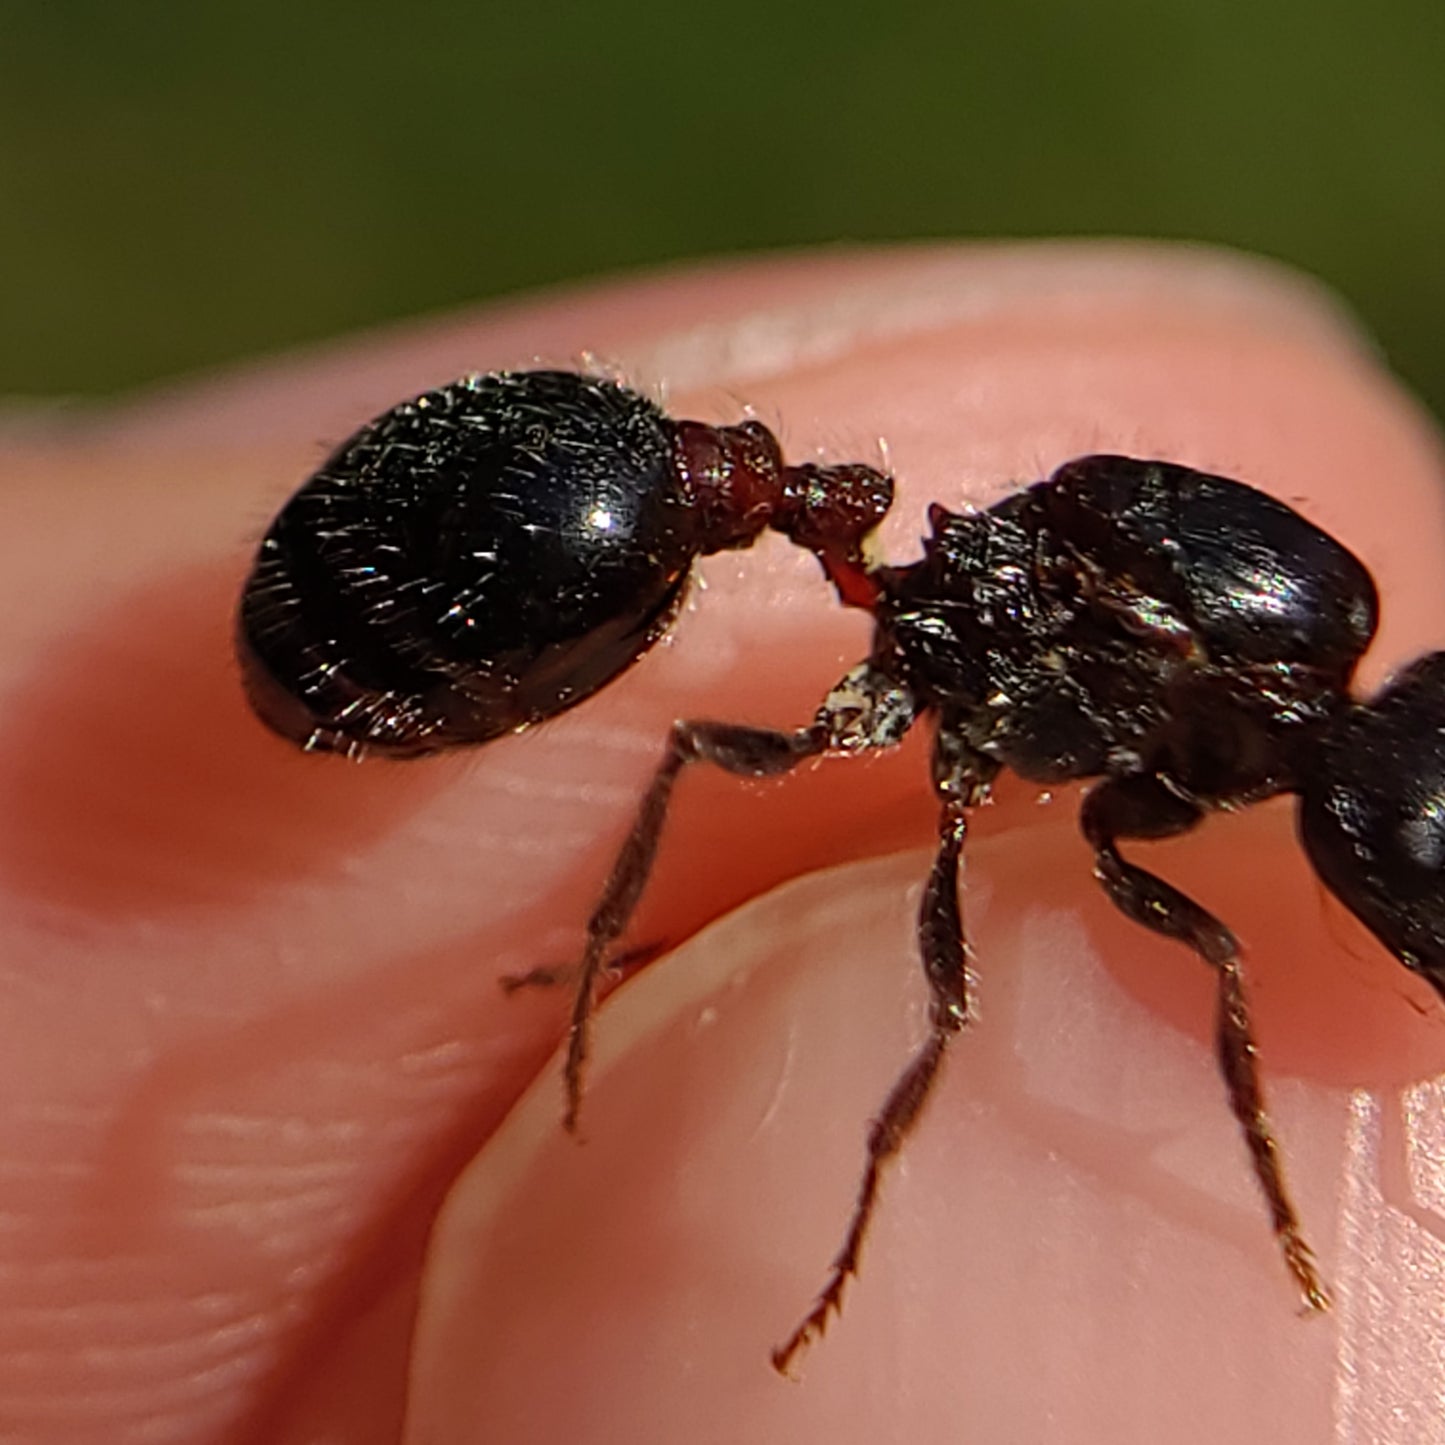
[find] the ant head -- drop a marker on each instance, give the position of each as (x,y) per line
(1372,815)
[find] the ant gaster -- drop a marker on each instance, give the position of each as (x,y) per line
(482,557)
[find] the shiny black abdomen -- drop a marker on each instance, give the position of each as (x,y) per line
(470,562)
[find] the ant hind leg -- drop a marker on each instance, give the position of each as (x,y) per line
(743,751)
(866,710)
(621,966)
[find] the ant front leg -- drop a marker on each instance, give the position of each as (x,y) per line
(866,710)
(962,779)
(1140,806)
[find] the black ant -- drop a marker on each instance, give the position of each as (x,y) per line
(479,559)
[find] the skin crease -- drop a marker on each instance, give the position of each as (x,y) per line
(251,1019)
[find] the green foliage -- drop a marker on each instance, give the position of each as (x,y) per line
(180,184)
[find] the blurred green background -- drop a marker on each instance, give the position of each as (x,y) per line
(183,184)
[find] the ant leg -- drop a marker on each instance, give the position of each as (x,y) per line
(865,710)
(1141,807)
(962,779)
(559,975)
(746,752)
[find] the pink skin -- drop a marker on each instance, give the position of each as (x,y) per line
(251,1010)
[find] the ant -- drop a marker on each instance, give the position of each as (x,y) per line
(478,559)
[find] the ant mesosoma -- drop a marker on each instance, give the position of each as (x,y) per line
(480,558)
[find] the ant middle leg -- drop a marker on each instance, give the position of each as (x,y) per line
(962,779)
(1140,806)
(866,710)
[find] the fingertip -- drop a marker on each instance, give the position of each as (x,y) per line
(1074,1233)
(1071,1232)
(1085,1209)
